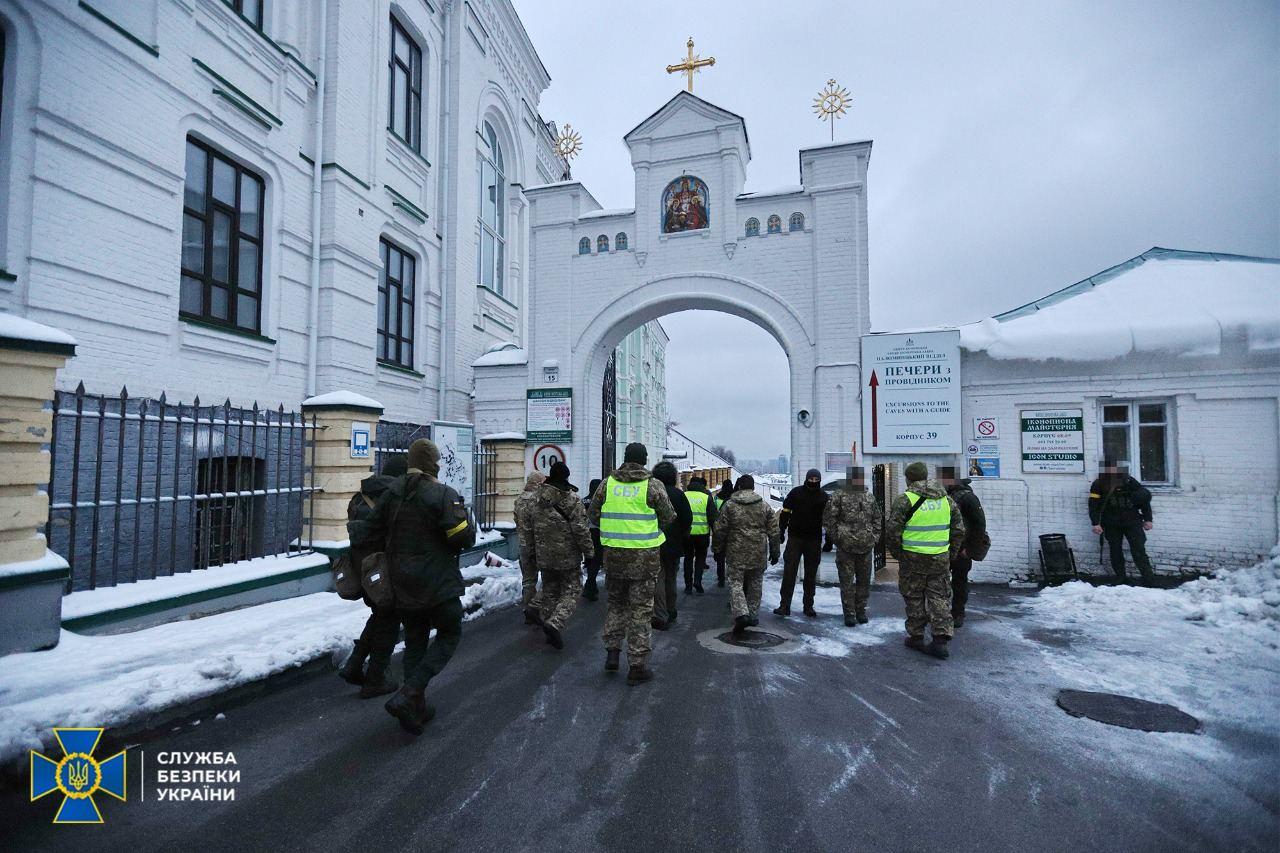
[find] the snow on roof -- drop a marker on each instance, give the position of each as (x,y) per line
(503,354)
(611,211)
(503,436)
(342,398)
(789,189)
(21,329)
(1164,300)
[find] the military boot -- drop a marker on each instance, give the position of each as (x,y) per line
(376,682)
(938,648)
(352,671)
(850,622)
(410,707)
(781,611)
(611,659)
(638,673)
(553,635)
(810,612)
(740,625)
(590,592)
(862,617)
(916,643)
(532,616)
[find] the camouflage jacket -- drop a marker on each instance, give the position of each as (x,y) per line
(852,519)
(559,533)
(746,531)
(901,511)
(633,563)
(524,528)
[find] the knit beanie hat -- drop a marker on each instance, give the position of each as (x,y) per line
(559,473)
(916,472)
(636,452)
(746,481)
(425,456)
(665,473)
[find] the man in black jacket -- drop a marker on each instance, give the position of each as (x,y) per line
(672,550)
(591,589)
(422,525)
(1120,509)
(802,516)
(975,527)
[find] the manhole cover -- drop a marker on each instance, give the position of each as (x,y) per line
(1127,712)
(752,639)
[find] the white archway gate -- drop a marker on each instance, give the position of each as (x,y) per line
(690,243)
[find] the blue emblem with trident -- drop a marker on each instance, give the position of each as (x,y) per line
(78,775)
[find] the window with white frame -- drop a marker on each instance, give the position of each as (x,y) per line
(492,185)
(1138,432)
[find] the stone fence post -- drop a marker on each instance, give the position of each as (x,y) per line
(31,576)
(510,476)
(347,429)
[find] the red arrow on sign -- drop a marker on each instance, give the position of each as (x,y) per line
(875,425)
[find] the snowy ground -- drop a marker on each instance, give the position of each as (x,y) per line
(108,680)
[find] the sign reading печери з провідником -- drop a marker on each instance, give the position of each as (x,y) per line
(911,393)
(1052,441)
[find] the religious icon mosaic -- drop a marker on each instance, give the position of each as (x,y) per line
(685,205)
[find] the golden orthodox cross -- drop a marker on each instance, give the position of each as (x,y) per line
(691,65)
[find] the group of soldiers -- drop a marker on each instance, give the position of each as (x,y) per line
(641,525)
(638,525)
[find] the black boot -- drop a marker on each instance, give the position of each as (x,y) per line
(719,581)
(862,617)
(352,671)
(611,659)
(411,709)
(809,611)
(688,589)
(532,616)
(553,635)
(916,643)
(658,624)
(740,625)
(781,611)
(638,673)
(957,618)
(590,592)
(376,682)
(697,587)
(850,622)
(938,648)
(752,621)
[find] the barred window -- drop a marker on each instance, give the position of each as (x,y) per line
(221,240)
(395,306)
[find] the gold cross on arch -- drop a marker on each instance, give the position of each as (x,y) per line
(691,65)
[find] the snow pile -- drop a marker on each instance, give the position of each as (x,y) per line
(1249,595)
(1159,305)
(112,680)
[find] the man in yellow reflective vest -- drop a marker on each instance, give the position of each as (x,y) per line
(704,509)
(925,533)
(630,511)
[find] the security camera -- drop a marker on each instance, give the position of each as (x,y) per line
(803,416)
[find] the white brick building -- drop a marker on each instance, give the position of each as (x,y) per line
(641,377)
(144,141)
(1173,359)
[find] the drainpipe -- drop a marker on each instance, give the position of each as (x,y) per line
(317,130)
(442,198)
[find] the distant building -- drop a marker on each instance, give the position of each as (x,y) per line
(782,466)
(641,361)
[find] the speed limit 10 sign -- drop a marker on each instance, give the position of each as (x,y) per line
(546,456)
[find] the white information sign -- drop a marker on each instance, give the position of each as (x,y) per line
(549,415)
(359,440)
(457,446)
(1052,441)
(911,393)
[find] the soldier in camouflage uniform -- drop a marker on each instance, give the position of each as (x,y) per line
(630,573)
(924,579)
(560,539)
(852,519)
(524,530)
(746,529)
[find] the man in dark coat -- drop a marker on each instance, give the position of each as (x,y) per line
(378,639)
(703,508)
(591,589)
(1120,509)
(422,525)
(975,528)
(672,550)
(802,516)
(720,498)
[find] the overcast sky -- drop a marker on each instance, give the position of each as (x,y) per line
(1019,146)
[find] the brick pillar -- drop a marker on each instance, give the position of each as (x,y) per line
(31,576)
(510,477)
(338,473)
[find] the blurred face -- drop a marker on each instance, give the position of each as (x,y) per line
(946,476)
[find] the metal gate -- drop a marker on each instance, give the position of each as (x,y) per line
(609,416)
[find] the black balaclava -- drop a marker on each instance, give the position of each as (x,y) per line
(813,472)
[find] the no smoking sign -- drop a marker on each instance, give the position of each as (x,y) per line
(986,428)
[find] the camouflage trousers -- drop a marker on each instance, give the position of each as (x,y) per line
(528,581)
(559,596)
(926,591)
(855,581)
(745,587)
(629,615)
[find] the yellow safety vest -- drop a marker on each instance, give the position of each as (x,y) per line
(626,519)
(698,503)
(928,531)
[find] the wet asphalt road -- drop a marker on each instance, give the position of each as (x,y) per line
(881,749)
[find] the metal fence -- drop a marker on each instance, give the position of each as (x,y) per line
(486,483)
(396,436)
(142,488)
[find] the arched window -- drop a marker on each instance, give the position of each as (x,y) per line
(602,243)
(775,224)
(796,223)
(493,208)
(685,205)
(753,227)
(584,246)
(620,241)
